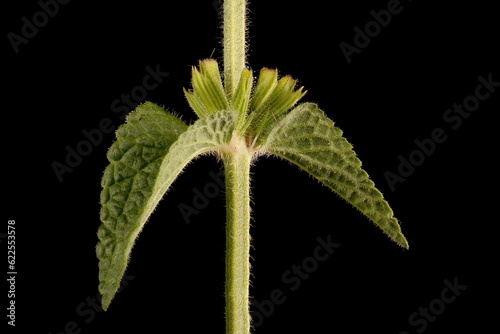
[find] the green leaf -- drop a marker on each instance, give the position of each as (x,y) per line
(128,182)
(151,150)
(309,139)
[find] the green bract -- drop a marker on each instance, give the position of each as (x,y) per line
(154,146)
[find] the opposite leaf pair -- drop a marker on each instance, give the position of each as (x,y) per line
(153,147)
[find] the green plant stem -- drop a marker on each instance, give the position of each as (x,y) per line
(237,170)
(237,161)
(234,35)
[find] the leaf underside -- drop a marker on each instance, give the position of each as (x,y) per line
(150,151)
(309,139)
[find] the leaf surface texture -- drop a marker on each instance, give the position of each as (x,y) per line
(310,140)
(149,153)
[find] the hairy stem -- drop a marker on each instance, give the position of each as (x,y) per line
(234,35)
(237,170)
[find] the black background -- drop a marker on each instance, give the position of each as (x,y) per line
(394,91)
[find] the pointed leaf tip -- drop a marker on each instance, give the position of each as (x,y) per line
(127,185)
(150,152)
(309,139)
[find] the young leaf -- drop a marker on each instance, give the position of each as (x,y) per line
(150,152)
(309,139)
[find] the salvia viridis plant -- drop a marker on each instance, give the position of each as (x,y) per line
(242,116)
